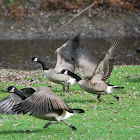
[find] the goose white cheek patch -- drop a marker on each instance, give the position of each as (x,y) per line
(35,59)
(72,81)
(12,90)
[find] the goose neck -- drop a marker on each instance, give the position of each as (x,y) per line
(43,65)
(74,76)
(19,94)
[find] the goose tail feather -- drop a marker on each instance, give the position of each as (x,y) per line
(76,111)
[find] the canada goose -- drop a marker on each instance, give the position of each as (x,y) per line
(96,83)
(43,104)
(7,103)
(65,60)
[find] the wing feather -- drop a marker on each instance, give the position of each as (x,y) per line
(7,103)
(66,55)
(105,67)
(41,102)
(85,61)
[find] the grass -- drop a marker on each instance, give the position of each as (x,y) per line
(106,119)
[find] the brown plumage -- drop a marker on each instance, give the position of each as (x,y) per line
(7,103)
(66,55)
(105,67)
(85,61)
(43,104)
(65,60)
(96,82)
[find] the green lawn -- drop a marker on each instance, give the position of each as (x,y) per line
(107,119)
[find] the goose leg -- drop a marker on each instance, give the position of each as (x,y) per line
(68,88)
(64,89)
(117,97)
(49,123)
(71,126)
(99,95)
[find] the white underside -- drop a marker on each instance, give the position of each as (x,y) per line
(72,81)
(109,89)
(65,115)
(56,78)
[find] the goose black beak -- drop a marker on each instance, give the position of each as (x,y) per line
(30,60)
(62,71)
(5,90)
(59,72)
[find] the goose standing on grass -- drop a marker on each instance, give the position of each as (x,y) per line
(43,104)
(95,81)
(65,60)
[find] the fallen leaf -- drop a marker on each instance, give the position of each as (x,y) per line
(16,124)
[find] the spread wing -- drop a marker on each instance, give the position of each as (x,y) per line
(66,54)
(85,61)
(7,103)
(41,102)
(105,67)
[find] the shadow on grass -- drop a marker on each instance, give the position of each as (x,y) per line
(132,80)
(81,101)
(21,131)
(101,100)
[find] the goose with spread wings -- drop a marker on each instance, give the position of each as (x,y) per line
(65,60)
(42,103)
(94,81)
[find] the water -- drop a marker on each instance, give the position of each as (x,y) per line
(15,54)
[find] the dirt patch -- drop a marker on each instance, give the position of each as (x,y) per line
(97,22)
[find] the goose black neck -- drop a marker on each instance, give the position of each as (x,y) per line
(19,94)
(43,65)
(74,76)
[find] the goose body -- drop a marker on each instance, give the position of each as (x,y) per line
(56,115)
(59,78)
(43,104)
(94,88)
(95,83)
(53,75)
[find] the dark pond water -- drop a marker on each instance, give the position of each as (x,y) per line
(15,54)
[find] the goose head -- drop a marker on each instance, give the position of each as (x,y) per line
(64,71)
(34,59)
(10,89)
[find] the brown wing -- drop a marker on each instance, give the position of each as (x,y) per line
(66,54)
(105,67)
(85,61)
(41,102)
(7,103)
